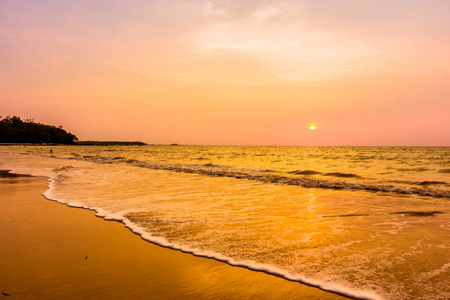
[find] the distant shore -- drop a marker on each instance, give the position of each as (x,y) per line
(109,143)
(80,143)
(51,251)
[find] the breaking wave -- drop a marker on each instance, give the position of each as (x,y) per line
(268,177)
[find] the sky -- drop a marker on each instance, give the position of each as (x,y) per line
(207,72)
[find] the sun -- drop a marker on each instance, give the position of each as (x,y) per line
(312,126)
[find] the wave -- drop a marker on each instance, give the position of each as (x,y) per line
(427,183)
(305,172)
(333,174)
(412,169)
(251,265)
(403,213)
(343,175)
(268,177)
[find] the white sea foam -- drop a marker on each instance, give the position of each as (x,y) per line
(427,276)
(257,175)
(326,286)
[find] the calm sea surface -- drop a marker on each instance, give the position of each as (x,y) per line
(370,222)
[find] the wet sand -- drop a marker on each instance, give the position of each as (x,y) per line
(51,251)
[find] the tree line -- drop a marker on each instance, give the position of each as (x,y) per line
(15,130)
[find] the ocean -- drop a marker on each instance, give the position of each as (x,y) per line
(367,222)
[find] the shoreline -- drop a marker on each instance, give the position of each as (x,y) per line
(56,251)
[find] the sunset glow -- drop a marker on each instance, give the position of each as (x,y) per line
(230,72)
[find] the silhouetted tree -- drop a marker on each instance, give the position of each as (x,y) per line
(14,130)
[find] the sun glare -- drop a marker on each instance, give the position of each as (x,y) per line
(312,126)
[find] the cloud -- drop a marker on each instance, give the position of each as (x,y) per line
(290,50)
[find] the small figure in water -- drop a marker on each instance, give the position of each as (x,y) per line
(51,151)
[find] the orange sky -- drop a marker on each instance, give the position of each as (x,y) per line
(372,72)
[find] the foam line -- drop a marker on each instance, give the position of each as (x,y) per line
(241,173)
(254,266)
(258,175)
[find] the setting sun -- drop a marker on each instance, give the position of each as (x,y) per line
(312,126)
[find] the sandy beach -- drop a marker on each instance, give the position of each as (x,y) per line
(52,251)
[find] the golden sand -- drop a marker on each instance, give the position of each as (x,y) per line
(51,251)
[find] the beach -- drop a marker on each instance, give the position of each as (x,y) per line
(52,251)
(225,222)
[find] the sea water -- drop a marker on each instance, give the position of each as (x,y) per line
(368,222)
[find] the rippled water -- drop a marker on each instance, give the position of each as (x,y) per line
(371,222)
